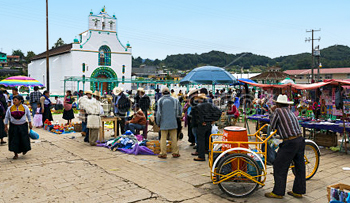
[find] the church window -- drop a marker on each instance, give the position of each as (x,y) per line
(123,70)
(104,56)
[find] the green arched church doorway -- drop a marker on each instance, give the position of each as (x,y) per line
(104,73)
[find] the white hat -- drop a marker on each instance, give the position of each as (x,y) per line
(88,92)
(283,99)
(96,93)
(117,90)
(192,91)
(140,89)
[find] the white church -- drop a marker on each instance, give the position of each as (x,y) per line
(98,49)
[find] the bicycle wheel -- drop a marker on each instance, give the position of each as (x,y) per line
(312,160)
(238,185)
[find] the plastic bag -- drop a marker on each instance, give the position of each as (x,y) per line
(271,153)
(34,135)
(214,129)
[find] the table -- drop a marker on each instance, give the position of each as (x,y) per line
(102,129)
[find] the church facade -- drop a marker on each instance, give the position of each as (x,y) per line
(98,49)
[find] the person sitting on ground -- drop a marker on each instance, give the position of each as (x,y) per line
(138,121)
(232,112)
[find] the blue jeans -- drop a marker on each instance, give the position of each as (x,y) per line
(34,107)
(86,130)
(194,132)
(133,126)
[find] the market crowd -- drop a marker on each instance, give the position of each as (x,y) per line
(197,108)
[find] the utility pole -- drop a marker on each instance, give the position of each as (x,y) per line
(47,48)
(317,54)
(312,50)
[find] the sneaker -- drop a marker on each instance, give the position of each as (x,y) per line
(273,195)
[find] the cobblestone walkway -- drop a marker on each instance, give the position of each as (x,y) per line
(61,169)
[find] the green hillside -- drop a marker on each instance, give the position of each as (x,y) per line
(331,57)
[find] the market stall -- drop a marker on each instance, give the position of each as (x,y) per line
(322,109)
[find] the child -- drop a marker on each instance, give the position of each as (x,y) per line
(38,117)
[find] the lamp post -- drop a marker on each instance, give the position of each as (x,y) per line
(47,48)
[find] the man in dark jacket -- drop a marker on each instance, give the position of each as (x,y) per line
(121,107)
(144,102)
(203,115)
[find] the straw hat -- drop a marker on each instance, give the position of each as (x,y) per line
(165,89)
(283,99)
(117,90)
(192,91)
(96,93)
(201,96)
(88,92)
(140,89)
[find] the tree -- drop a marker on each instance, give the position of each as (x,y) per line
(19,53)
(59,43)
(30,55)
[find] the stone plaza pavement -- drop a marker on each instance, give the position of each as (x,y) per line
(62,169)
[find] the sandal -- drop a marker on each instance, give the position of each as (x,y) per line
(194,154)
(3,142)
(15,157)
(162,156)
(176,155)
(192,144)
(199,159)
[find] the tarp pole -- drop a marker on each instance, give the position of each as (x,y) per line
(64,87)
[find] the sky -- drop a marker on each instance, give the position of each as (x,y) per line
(157,28)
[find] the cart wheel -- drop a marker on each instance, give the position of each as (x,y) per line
(312,160)
(238,185)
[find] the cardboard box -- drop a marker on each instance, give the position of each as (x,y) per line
(339,186)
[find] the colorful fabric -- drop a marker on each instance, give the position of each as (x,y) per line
(17,112)
(20,81)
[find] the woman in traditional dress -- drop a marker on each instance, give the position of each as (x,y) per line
(17,116)
(46,106)
(68,113)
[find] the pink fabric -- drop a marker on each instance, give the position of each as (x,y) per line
(66,106)
(139,137)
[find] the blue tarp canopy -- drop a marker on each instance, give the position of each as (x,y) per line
(241,81)
(208,75)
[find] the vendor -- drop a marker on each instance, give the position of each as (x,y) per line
(138,121)
(291,149)
(46,106)
(232,112)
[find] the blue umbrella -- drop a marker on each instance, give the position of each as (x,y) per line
(208,75)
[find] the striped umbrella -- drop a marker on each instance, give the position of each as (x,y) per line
(20,81)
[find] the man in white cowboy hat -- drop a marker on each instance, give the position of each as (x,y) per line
(291,149)
(121,104)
